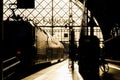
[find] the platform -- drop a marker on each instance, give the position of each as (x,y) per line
(59,71)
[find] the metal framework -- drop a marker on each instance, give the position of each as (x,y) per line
(51,15)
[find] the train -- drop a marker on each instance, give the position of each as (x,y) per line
(29,45)
(112,48)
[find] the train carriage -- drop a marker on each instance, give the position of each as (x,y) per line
(26,45)
(112,48)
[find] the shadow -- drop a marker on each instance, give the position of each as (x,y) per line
(22,73)
(107,76)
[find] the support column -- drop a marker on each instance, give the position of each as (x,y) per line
(91,25)
(52,17)
(1,38)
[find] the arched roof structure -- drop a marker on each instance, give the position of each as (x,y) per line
(107,14)
(48,12)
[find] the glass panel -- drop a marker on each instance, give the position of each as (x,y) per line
(48,13)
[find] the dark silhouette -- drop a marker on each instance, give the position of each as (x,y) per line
(88,56)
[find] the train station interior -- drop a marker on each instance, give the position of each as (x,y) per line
(59,40)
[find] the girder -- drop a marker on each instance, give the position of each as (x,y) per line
(107,14)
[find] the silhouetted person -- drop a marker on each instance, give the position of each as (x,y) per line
(88,57)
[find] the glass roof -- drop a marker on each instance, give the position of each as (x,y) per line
(48,12)
(51,13)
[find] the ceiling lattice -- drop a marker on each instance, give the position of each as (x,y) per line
(48,12)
